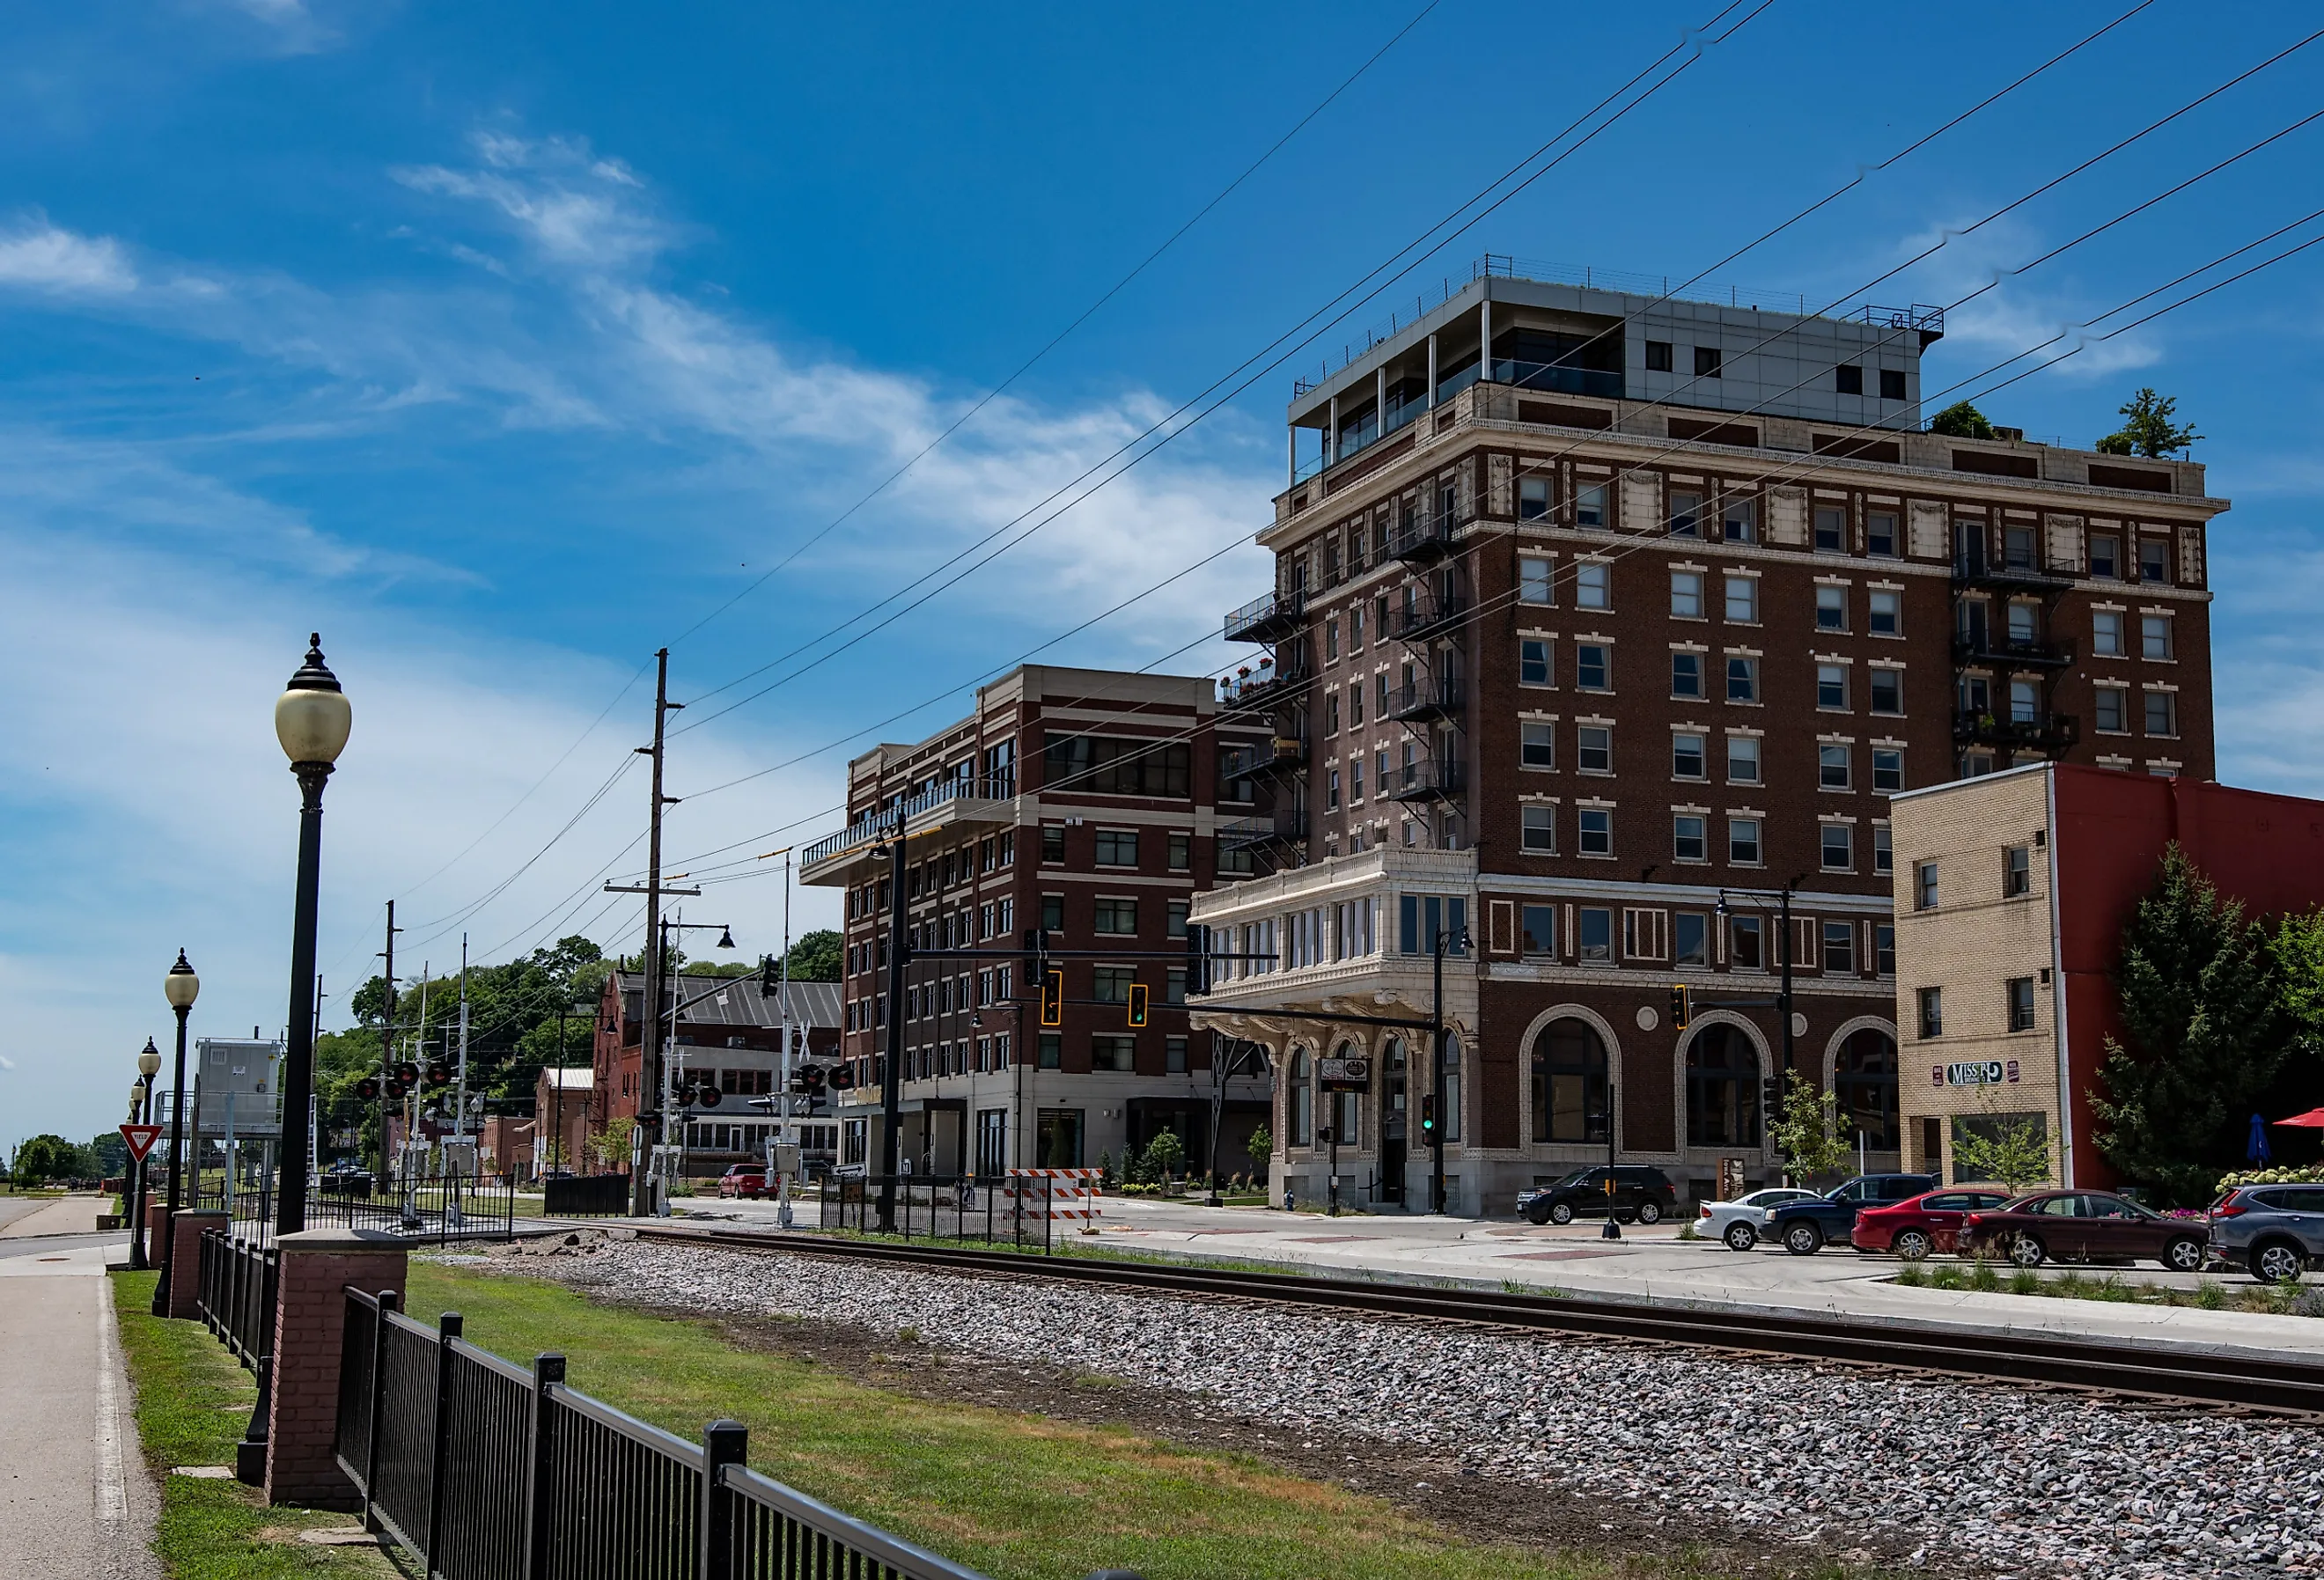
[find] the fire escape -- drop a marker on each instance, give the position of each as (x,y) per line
(1429,695)
(1277,832)
(2006,660)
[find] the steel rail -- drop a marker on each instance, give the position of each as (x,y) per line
(2253,1384)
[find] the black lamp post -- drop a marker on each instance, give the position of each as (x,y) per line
(311,719)
(181,987)
(141,1111)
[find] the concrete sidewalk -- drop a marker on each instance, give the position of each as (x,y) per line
(68,1215)
(75,1502)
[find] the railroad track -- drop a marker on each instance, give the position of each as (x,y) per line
(2250,1384)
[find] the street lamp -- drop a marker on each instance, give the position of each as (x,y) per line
(311,719)
(140,1110)
(181,987)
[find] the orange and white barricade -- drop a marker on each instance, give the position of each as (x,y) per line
(1053,1195)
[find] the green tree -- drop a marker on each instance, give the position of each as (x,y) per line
(1261,1147)
(1166,1156)
(109,1153)
(2146,427)
(47,1156)
(815,956)
(610,1145)
(2201,996)
(2010,1148)
(1808,1132)
(1961,421)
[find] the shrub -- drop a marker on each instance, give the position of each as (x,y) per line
(1981,1276)
(2210,1294)
(1911,1275)
(2025,1280)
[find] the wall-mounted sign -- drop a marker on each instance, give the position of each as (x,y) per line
(1989,1072)
(1346,1074)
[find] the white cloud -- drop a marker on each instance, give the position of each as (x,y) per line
(41,256)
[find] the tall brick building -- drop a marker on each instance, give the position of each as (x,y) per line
(1604,620)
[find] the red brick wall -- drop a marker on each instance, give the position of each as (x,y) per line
(309,1323)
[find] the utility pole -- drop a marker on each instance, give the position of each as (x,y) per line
(783,1073)
(1436,1076)
(387,1040)
(891,1081)
(460,1075)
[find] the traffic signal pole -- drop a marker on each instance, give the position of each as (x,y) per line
(892,1078)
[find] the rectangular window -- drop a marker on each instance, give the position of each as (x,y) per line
(1830,528)
(1687,675)
(1540,829)
(1831,685)
(1707,360)
(1888,607)
(1884,948)
(2154,636)
(1685,514)
(1116,916)
(1838,848)
(1379,698)
(1539,925)
(1538,746)
(1420,918)
(1597,826)
(1658,356)
(1533,498)
(1053,842)
(1887,690)
(1742,680)
(1831,608)
(1689,938)
(1686,594)
(2025,702)
(1593,749)
(1112,982)
(1117,847)
(1932,1013)
(1743,760)
(1743,841)
(2016,872)
(1924,886)
(1892,384)
(1174,1049)
(2106,556)
(1533,579)
(1332,642)
(1743,600)
(1356,705)
(2021,1003)
(1053,912)
(2106,633)
(1686,757)
(1052,1050)
(1596,928)
(1884,853)
(1687,841)
(2154,560)
(1532,661)
(1887,768)
(1880,534)
(1589,505)
(1113,765)
(2018,547)
(1848,379)
(1593,584)
(2162,714)
(1739,521)
(1332,715)
(2113,710)
(1181,852)
(1356,629)
(1174,912)
(1355,780)
(1115,1053)
(1839,948)
(1332,790)
(2023,625)
(1593,667)
(1831,767)
(1746,938)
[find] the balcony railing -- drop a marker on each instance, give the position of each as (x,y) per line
(1975,570)
(1559,378)
(1273,688)
(2010,653)
(1251,833)
(2038,732)
(1425,619)
(1269,619)
(1425,539)
(1438,698)
(884,823)
(1430,779)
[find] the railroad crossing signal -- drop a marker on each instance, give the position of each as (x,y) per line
(1681,1010)
(1053,997)
(367,1089)
(1136,1006)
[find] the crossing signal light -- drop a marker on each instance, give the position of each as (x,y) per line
(1428,1116)
(843,1077)
(1681,1009)
(1136,1006)
(397,1089)
(367,1089)
(408,1073)
(707,1095)
(439,1074)
(1053,997)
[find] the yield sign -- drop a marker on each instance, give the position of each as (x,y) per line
(141,1139)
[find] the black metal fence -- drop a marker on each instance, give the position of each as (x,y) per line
(236,1295)
(433,1209)
(586,1196)
(487,1471)
(1026,1211)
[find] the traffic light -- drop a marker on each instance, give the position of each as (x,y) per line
(367,1089)
(1428,1118)
(1137,1017)
(1198,959)
(1053,997)
(1681,1010)
(771,974)
(1771,1096)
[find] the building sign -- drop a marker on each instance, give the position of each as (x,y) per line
(1990,1072)
(1346,1074)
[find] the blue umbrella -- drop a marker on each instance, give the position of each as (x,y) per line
(2257,1150)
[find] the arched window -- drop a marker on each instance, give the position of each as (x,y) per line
(1569,1082)
(1863,1085)
(1722,1088)
(1348,1107)
(1302,1099)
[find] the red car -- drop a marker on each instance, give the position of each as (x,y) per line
(743,1180)
(2084,1225)
(1914,1228)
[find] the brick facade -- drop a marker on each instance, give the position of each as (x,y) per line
(317,1266)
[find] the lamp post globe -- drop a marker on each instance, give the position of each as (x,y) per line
(149,1062)
(180,987)
(311,721)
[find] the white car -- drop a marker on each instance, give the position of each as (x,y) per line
(1737,1222)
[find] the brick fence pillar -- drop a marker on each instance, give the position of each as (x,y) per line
(157,1231)
(310,1312)
(185,1242)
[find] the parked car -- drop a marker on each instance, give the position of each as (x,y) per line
(2273,1229)
(2083,1225)
(743,1180)
(1806,1227)
(1640,1192)
(1737,1222)
(1922,1223)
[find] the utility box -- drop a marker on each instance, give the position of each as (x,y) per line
(241,1074)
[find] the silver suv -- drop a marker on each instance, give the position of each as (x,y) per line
(2273,1229)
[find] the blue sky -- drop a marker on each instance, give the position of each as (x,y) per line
(505,344)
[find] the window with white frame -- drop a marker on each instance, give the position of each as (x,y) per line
(1839,847)
(1831,766)
(1593,667)
(1687,839)
(1887,688)
(1539,829)
(1686,756)
(1533,498)
(1686,594)
(2106,633)
(1535,580)
(1687,675)
(1537,744)
(1743,760)
(2154,636)
(1887,769)
(1593,748)
(1743,841)
(1832,687)
(2162,713)
(1589,505)
(1593,583)
(1532,660)
(2111,706)
(1887,612)
(1831,608)
(1742,604)
(1596,826)
(1742,679)
(1883,855)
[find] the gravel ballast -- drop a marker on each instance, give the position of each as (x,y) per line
(1917,1470)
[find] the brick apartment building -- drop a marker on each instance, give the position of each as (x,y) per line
(1086,802)
(2010,911)
(1605,619)
(729,1032)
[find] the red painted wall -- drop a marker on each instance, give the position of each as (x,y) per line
(2112,828)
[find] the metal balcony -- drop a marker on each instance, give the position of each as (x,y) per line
(1252,833)
(1288,756)
(1269,619)
(2051,733)
(1423,540)
(1431,780)
(1425,620)
(1975,570)
(1282,686)
(1442,698)
(2001,652)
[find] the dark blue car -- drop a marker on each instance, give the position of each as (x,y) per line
(1806,1227)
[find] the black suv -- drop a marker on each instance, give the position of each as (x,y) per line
(1643,1193)
(1806,1227)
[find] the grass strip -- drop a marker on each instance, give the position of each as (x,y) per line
(193,1403)
(2288,1298)
(1021,1497)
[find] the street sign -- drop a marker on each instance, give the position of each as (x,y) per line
(141,1139)
(1347,1075)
